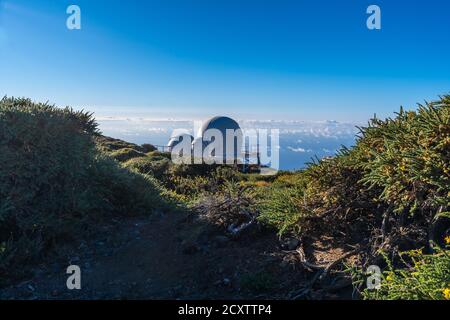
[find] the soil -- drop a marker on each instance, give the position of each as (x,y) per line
(176,256)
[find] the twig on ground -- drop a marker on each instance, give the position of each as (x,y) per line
(322,273)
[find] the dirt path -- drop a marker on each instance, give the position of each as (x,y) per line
(166,256)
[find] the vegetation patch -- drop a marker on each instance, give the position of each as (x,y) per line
(56,185)
(387,194)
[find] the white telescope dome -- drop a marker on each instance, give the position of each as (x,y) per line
(221,123)
(231,143)
(181,138)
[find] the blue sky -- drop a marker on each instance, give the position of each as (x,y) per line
(304,60)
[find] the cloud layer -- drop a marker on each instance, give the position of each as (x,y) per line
(299,140)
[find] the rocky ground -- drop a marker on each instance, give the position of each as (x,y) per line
(175,256)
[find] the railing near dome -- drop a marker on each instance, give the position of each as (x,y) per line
(248,154)
(162,148)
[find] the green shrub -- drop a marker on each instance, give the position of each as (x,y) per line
(426,278)
(125,154)
(54,182)
(146,148)
(399,165)
(389,192)
(156,166)
(409,159)
(108,144)
(125,191)
(158,154)
(282,209)
(45,154)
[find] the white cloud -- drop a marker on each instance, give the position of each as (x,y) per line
(328,129)
(299,149)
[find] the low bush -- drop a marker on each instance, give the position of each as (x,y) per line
(146,148)
(125,154)
(232,207)
(156,166)
(389,193)
(55,183)
(387,189)
(425,277)
(108,144)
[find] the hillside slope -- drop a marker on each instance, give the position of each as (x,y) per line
(70,195)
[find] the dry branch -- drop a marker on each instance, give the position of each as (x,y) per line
(321,273)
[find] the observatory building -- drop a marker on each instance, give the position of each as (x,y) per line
(231,134)
(180,138)
(225,128)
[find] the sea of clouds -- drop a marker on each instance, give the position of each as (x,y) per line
(300,141)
